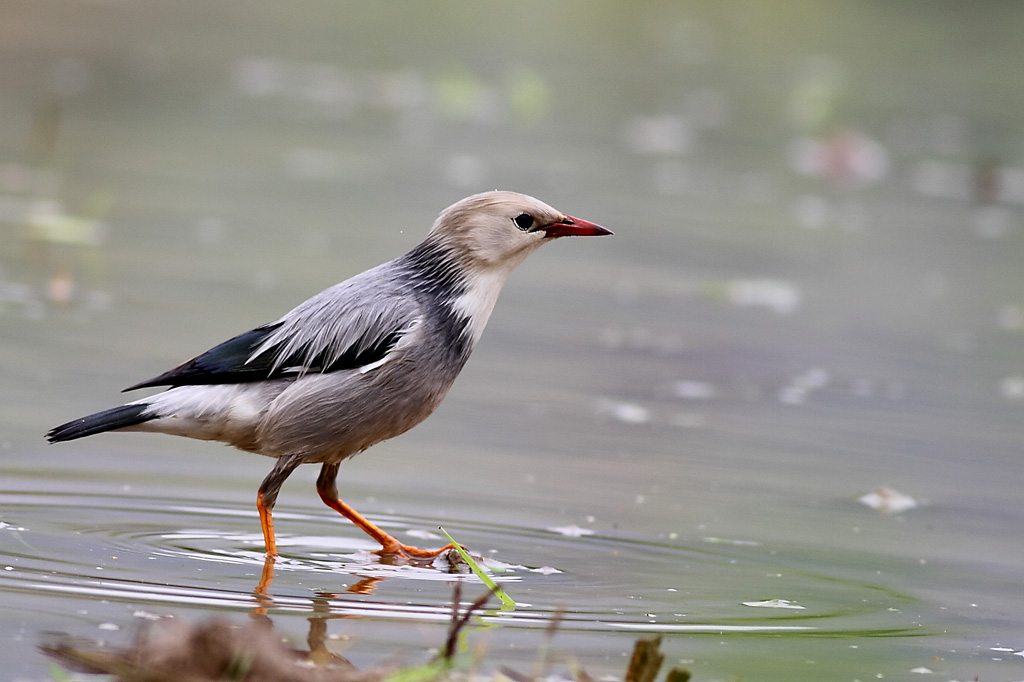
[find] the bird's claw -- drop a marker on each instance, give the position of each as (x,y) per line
(397,549)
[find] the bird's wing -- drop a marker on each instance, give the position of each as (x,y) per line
(335,330)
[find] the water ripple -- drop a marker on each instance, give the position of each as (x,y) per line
(162,553)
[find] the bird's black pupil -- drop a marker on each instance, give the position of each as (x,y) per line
(524,221)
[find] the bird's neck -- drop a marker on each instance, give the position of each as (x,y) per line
(477,301)
(468,292)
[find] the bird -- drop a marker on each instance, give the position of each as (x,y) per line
(359,363)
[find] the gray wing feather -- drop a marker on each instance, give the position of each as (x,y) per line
(351,324)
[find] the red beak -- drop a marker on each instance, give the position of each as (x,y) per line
(574,227)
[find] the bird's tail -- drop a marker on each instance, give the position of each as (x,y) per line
(107,420)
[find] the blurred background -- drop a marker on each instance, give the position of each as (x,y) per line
(815,290)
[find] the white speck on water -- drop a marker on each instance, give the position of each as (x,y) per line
(689,389)
(1012,388)
(629,413)
(729,541)
(774,604)
(572,531)
(149,615)
(888,501)
(109,627)
(545,570)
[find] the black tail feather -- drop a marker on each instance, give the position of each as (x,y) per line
(107,420)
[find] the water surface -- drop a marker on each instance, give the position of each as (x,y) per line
(814,290)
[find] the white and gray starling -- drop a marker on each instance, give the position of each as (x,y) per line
(360,362)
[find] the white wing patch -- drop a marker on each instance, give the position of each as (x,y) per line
(404,339)
(374,365)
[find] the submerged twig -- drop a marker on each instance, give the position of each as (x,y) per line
(459,621)
(646,661)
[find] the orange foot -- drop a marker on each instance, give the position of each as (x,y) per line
(396,548)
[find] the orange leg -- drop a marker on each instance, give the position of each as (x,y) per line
(267,523)
(267,497)
(262,591)
(325,485)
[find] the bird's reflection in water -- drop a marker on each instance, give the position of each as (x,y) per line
(365,585)
(317,637)
(172,649)
(319,655)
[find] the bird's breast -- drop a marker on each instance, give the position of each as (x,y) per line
(331,416)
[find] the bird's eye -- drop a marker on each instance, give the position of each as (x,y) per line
(524,221)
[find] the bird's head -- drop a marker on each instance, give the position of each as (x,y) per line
(499,229)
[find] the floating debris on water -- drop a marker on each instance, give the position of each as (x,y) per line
(774,604)
(572,531)
(888,501)
(545,570)
(1008,650)
(630,413)
(148,615)
(730,541)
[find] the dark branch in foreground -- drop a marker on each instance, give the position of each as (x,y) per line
(173,651)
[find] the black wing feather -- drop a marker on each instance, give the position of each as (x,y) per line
(232,362)
(226,363)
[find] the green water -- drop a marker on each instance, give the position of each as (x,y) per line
(814,290)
